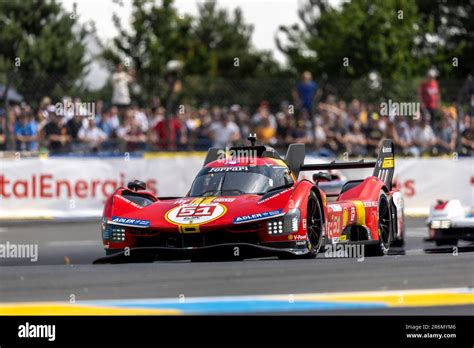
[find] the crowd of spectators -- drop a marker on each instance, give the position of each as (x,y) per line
(330,126)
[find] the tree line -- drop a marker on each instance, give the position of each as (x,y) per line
(384,43)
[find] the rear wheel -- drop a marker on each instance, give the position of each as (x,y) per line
(384,228)
(314,226)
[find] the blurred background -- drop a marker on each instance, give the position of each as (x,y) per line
(169,76)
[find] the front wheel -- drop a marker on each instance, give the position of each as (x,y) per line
(384,228)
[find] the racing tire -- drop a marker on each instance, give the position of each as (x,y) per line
(384,228)
(314,226)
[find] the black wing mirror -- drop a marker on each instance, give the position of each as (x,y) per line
(321,176)
(136,185)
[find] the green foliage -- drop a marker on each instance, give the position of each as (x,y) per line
(216,44)
(42,47)
(449,34)
(397,40)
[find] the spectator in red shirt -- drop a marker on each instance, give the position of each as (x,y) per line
(429,93)
(176,136)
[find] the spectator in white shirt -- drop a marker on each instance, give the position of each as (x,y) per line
(91,135)
(225,132)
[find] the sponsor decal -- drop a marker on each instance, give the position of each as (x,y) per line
(52,186)
(304,224)
(130,221)
(258,216)
(298,237)
(386,149)
(370,204)
(195,214)
(335,207)
(275,195)
(343,238)
(334,225)
(229,169)
(388,163)
(353,214)
(223,200)
(182,201)
(128,201)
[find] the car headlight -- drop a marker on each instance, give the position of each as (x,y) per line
(437,224)
(287,224)
(113,233)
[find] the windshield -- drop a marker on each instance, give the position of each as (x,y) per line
(234,181)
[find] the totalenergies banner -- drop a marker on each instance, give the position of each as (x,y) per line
(77,187)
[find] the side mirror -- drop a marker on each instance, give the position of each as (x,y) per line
(136,185)
(321,176)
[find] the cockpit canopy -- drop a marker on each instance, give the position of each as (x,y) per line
(238,180)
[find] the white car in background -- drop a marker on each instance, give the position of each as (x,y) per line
(450,222)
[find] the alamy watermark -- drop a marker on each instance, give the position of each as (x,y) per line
(84,109)
(355,251)
(237,155)
(19,251)
(393,108)
(28,330)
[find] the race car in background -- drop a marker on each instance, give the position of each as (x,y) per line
(449,222)
(247,202)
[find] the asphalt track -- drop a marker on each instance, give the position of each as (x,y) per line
(66,250)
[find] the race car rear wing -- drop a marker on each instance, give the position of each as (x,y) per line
(384,166)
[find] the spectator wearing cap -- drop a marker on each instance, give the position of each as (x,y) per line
(429,94)
(55,133)
(26,131)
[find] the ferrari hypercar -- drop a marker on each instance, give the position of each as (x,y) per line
(449,222)
(247,202)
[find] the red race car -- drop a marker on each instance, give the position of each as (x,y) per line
(247,202)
